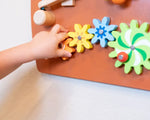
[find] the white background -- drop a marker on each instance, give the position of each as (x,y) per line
(27,94)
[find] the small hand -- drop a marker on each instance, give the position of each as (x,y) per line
(45,44)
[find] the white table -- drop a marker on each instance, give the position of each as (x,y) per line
(27,94)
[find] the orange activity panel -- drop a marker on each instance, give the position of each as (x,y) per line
(122,58)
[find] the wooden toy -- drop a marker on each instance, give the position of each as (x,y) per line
(95,65)
(65,46)
(81,37)
(119,1)
(135,42)
(46,18)
(48,3)
(102,31)
(68,3)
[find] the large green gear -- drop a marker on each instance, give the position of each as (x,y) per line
(135,42)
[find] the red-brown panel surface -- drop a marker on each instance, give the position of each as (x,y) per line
(95,65)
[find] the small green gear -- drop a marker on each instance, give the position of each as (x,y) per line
(135,42)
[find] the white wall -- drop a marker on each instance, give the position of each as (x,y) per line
(27,94)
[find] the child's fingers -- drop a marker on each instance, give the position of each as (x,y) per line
(55,28)
(62,29)
(58,28)
(62,36)
(63,53)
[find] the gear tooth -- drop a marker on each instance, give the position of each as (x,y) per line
(116,34)
(144,27)
(124,27)
(147,64)
(127,68)
(138,70)
(134,24)
(112,44)
(113,54)
(118,63)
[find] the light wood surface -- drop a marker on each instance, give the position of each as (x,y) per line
(46,18)
(48,3)
(68,3)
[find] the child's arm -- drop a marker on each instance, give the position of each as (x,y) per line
(43,45)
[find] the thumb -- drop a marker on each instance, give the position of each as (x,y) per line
(63,53)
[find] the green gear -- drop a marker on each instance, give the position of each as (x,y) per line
(135,41)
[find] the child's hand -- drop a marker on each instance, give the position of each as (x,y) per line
(45,44)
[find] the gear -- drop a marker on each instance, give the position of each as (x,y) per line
(135,42)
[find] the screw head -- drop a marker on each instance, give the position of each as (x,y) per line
(79,37)
(132,47)
(101,31)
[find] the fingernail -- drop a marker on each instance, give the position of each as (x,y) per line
(69,54)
